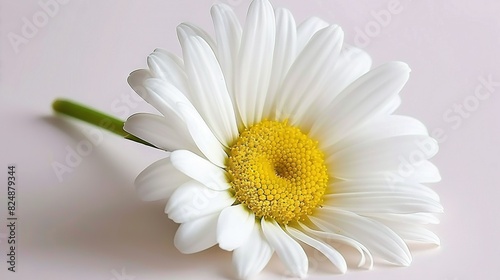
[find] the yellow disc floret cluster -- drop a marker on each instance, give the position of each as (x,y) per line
(277,171)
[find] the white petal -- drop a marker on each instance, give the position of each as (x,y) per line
(353,63)
(197,235)
(283,57)
(251,257)
(360,102)
(168,135)
(409,226)
(137,80)
(327,234)
(200,169)
(382,202)
(159,180)
(380,128)
(187,29)
(410,219)
(392,105)
(193,200)
(417,234)
(208,88)
(174,104)
(288,250)
(307,29)
(423,172)
(202,135)
(378,238)
(234,227)
(165,97)
(350,65)
(168,67)
(381,156)
(228,35)
(308,74)
(379,186)
(333,255)
(253,70)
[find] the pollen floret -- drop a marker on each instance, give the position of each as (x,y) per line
(277,171)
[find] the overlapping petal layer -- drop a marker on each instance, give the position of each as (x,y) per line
(271,68)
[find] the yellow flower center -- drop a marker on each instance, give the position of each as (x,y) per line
(277,171)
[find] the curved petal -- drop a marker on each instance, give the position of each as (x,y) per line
(308,74)
(255,59)
(378,157)
(409,226)
(328,235)
(411,219)
(159,180)
(251,257)
(234,227)
(351,64)
(200,169)
(193,200)
(208,88)
(425,172)
(137,80)
(333,255)
(202,135)
(307,29)
(197,235)
(381,128)
(167,135)
(168,67)
(288,250)
(165,96)
(187,29)
(392,105)
(382,202)
(283,57)
(360,102)
(228,35)
(377,237)
(417,234)
(380,186)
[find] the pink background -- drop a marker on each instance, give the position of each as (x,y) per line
(90,225)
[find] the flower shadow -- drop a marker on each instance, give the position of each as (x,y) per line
(95,217)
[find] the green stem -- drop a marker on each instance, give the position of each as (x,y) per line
(94,117)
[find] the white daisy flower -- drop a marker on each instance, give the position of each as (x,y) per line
(280,135)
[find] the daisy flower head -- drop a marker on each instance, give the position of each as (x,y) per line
(278,136)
